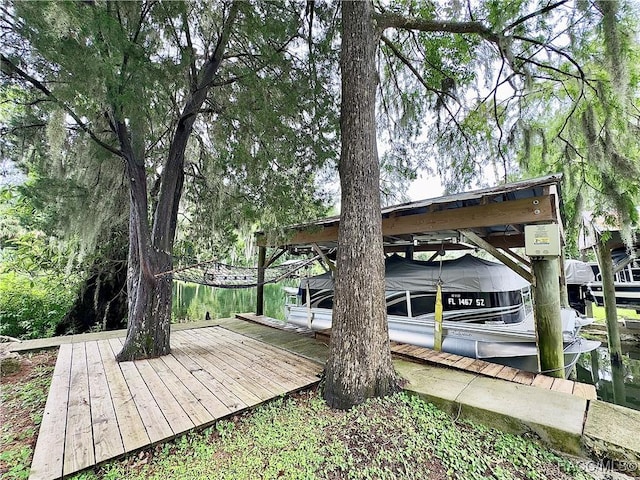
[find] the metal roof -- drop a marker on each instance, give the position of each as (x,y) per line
(497,214)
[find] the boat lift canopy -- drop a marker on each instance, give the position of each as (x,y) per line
(492,219)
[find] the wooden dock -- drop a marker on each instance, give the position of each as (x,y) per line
(99,409)
(495,370)
(487,369)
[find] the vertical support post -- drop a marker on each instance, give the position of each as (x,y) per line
(595,366)
(617,377)
(408,252)
(564,293)
(609,295)
(262,258)
(588,308)
(546,295)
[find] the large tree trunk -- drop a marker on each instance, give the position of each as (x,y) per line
(149,321)
(359,364)
(151,245)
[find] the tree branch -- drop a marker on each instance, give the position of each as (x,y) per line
(396,51)
(8,67)
(423,82)
(393,20)
(542,11)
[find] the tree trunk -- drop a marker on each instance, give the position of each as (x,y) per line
(149,321)
(101,302)
(609,297)
(359,364)
(150,246)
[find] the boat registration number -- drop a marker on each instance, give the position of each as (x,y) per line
(458,300)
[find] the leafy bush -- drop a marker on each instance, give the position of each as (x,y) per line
(31,308)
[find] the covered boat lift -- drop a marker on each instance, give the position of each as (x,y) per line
(492,219)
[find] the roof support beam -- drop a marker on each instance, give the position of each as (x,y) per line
(527,210)
(519,258)
(516,267)
(324,258)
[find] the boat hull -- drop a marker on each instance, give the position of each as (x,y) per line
(627,294)
(509,344)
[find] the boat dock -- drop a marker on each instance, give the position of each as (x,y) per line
(566,421)
(451,360)
(564,414)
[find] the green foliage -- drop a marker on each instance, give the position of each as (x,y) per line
(558,94)
(399,437)
(265,130)
(18,461)
(32,307)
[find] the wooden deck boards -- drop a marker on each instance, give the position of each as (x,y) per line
(494,370)
(98,409)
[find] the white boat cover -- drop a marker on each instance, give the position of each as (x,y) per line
(577,272)
(464,274)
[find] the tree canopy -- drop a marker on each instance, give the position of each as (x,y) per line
(216,94)
(538,87)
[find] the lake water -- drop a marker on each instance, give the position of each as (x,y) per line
(192,301)
(616,384)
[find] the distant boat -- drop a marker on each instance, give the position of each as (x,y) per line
(577,275)
(626,280)
(487,310)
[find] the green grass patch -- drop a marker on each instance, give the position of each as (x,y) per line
(23,398)
(399,437)
(600,316)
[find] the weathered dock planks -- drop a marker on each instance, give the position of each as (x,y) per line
(494,370)
(99,409)
(480,367)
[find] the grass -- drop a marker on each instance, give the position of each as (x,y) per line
(399,437)
(600,316)
(22,401)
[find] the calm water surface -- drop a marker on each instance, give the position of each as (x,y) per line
(192,301)
(614,384)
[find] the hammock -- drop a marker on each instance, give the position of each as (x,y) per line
(220,275)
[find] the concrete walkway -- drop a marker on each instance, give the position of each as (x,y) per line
(566,422)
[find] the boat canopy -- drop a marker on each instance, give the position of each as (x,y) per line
(464,274)
(577,272)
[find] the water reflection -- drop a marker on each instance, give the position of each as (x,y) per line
(192,301)
(618,384)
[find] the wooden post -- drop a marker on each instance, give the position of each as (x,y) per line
(564,293)
(262,258)
(609,295)
(617,380)
(588,308)
(408,252)
(546,294)
(595,366)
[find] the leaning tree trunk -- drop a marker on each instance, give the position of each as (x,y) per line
(359,364)
(149,320)
(150,246)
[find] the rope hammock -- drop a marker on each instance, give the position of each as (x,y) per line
(220,275)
